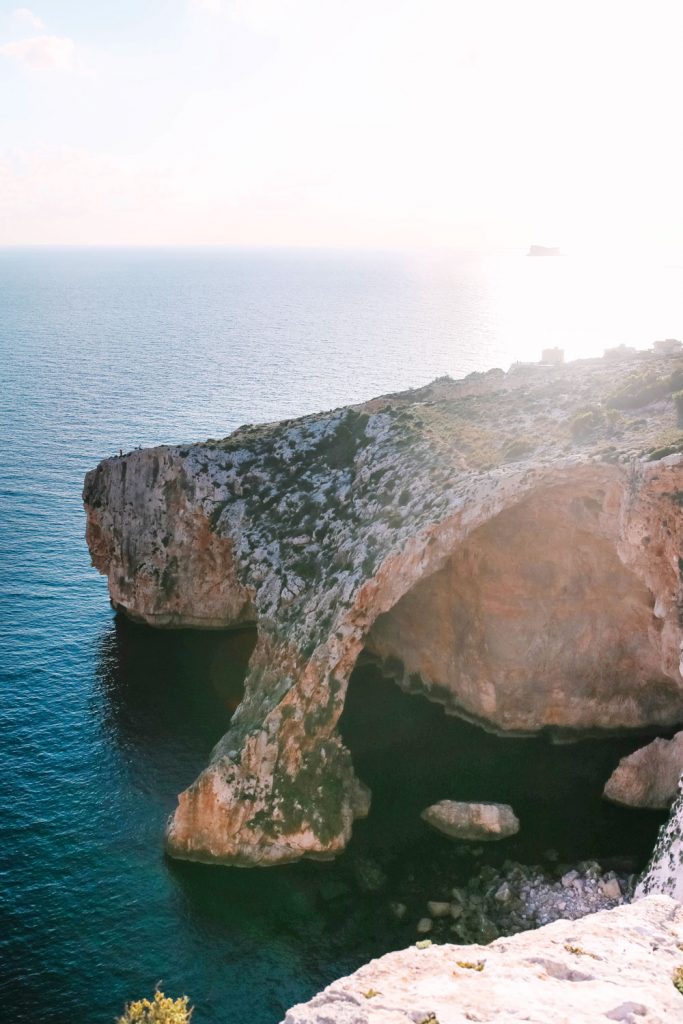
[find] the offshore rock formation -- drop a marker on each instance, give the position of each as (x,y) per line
(463,820)
(625,960)
(648,777)
(507,545)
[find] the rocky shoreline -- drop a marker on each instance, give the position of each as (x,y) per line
(515,898)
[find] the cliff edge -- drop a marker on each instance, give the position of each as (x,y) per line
(618,965)
(508,545)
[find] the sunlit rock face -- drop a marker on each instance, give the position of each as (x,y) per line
(543,617)
(507,544)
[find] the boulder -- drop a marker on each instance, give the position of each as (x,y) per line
(477,821)
(624,959)
(648,777)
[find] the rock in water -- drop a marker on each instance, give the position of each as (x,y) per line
(624,958)
(648,777)
(462,820)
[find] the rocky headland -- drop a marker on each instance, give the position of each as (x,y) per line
(507,545)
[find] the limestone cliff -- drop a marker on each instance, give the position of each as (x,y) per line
(508,544)
(664,873)
(626,961)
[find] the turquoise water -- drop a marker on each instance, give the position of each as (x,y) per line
(104,722)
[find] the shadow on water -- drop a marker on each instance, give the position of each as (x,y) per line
(166,696)
(169,696)
(257,940)
(412,754)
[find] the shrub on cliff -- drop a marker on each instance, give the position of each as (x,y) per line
(586,423)
(678,402)
(517,449)
(644,388)
(160,1010)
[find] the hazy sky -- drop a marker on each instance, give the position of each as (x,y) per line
(342,122)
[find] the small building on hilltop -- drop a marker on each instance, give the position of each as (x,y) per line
(552,356)
(668,347)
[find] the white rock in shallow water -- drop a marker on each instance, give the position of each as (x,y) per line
(424,925)
(648,777)
(463,820)
(625,958)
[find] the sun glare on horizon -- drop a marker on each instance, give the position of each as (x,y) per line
(368,125)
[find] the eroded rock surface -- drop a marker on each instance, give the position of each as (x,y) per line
(615,965)
(648,777)
(664,873)
(508,545)
(465,820)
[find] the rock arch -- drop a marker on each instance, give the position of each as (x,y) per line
(557,593)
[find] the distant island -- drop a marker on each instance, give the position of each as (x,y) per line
(544,250)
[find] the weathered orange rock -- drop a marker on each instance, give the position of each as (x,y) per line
(543,617)
(508,545)
(175,570)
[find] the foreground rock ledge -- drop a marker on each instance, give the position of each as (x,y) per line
(507,545)
(613,966)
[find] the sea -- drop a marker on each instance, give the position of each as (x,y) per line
(103,722)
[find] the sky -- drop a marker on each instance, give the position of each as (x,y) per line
(361,123)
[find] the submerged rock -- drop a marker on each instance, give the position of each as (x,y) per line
(648,777)
(624,958)
(463,820)
(506,545)
(517,897)
(368,874)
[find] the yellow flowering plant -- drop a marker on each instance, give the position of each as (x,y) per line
(160,1010)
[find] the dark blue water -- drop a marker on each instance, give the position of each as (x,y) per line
(104,722)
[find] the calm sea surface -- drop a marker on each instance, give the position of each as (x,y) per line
(102,723)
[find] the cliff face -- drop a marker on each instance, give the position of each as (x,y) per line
(625,958)
(507,545)
(664,873)
(149,532)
